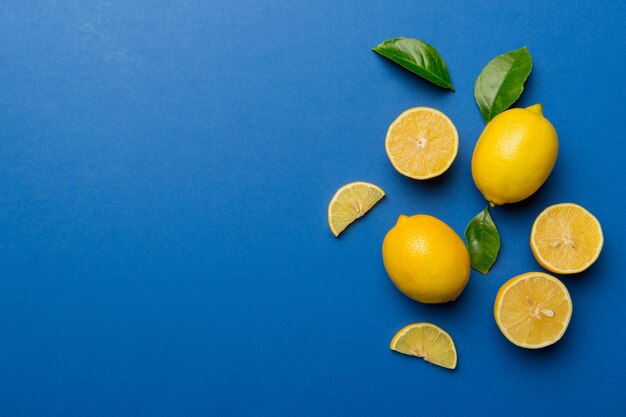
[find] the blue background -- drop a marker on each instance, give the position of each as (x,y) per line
(165,169)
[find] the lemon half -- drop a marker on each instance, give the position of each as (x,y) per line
(566,238)
(533,310)
(422,143)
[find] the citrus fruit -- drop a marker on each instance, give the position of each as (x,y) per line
(426,259)
(514,155)
(422,143)
(351,202)
(533,310)
(426,341)
(566,238)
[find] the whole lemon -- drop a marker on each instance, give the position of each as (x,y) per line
(514,155)
(426,259)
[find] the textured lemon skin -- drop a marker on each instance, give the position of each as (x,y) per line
(514,155)
(426,259)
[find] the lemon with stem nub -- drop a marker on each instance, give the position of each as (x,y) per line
(514,155)
(426,259)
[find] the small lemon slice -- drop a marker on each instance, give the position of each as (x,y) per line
(351,202)
(422,143)
(566,238)
(428,342)
(533,310)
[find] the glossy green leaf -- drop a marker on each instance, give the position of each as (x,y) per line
(501,82)
(483,241)
(419,58)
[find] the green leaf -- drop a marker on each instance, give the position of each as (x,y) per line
(483,241)
(501,82)
(419,58)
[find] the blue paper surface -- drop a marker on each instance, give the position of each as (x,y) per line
(165,170)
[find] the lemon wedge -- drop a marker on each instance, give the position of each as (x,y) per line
(533,310)
(566,238)
(422,143)
(351,202)
(428,342)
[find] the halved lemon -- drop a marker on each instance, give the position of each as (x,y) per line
(533,310)
(422,143)
(428,342)
(566,238)
(351,202)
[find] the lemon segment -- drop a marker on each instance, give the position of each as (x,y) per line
(428,342)
(422,143)
(351,202)
(533,310)
(566,238)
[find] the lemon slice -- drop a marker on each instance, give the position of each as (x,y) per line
(533,310)
(351,202)
(422,143)
(426,341)
(566,238)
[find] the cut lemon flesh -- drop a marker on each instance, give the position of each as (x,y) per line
(426,341)
(422,143)
(351,202)
(566,238)
(533,310)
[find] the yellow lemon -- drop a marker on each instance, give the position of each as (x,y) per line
(426,341)
(426,259)
(533,310)
(351,202)
(422,143)
(514,155)
(566,238)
